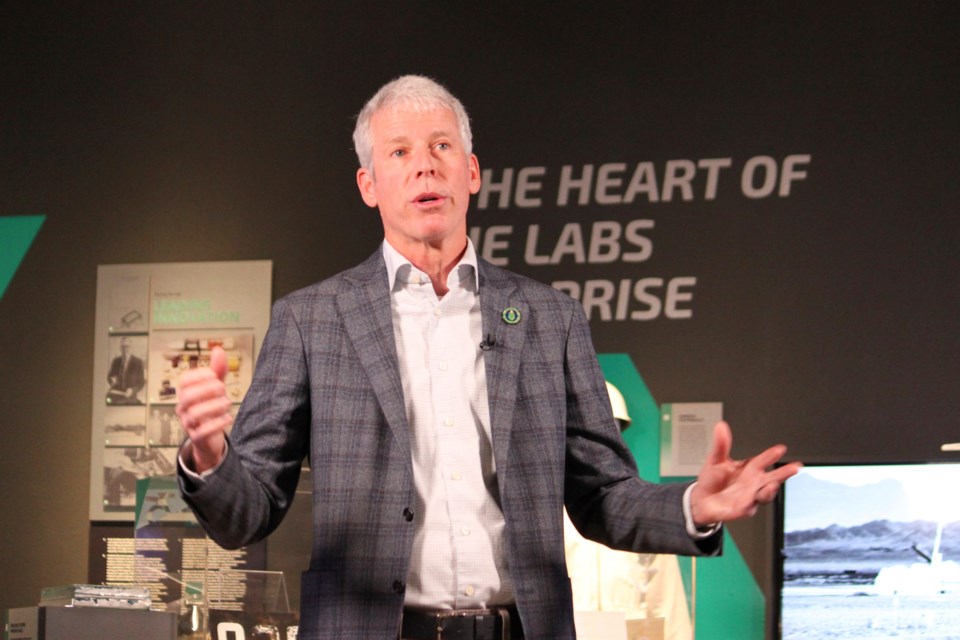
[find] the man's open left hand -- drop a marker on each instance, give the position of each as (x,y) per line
(729,489)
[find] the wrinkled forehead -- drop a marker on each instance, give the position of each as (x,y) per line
(400,121)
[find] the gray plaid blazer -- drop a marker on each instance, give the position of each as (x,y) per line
(327,387)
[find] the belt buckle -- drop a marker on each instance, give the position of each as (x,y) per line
(468,624)
(458,625)
(462,624)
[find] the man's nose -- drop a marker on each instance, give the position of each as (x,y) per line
(425,163)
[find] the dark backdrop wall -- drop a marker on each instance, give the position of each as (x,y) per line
(788,171)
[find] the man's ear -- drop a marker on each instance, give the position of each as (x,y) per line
(474,167)
(367,186)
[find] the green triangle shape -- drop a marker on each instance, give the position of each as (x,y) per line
(16,236)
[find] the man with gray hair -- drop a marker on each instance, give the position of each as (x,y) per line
(449,410)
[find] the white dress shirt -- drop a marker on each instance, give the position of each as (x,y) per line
(458,560)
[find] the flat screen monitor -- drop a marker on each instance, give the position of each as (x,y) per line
(869,551)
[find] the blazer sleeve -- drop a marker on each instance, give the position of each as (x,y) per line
(606,499)
(246,497)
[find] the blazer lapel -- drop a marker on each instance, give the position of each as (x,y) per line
(367,318)
(498,294)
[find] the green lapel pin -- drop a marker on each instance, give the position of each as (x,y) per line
(511,315)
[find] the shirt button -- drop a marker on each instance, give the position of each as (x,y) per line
(455,475)
(442,366)
(465,530)
(469,590)
(437,312)
(408,514)
(399,587)
(448,422)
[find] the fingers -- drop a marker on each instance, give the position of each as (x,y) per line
(765,460)
(200,417)
(218,362)
(204,410)
(203,406)
(781,474)
(193,376)
(207,434)
(768,457)
(729,489)
(767,493)
(197,390)
(722,443)
(773,480)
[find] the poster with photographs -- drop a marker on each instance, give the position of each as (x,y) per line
(163,427)
(174,352)
(129,301)
(122,467)
(153,323)
(125,427)
(126,375)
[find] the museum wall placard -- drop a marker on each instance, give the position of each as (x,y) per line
(154,322)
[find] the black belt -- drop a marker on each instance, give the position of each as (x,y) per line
(498,623)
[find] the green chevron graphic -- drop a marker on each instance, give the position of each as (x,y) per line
(16,236)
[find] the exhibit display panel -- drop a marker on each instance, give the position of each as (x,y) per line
(153,322)
(175,558)
(869,550)
(256,587)
(206,586)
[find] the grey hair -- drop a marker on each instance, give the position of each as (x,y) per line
(410,93)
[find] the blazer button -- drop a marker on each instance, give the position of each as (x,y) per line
(408,514)
(399,587)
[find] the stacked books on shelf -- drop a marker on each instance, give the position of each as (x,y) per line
(96,595)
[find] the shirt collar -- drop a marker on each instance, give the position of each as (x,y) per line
(399,268)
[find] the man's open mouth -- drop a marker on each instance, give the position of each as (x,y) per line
(427,198)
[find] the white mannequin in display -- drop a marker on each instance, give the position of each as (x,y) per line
(644,585)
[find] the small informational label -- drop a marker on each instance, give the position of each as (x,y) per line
(686,433)
(21,624)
